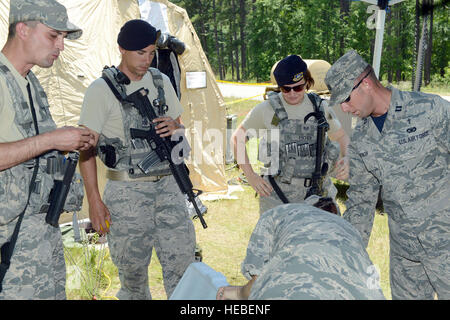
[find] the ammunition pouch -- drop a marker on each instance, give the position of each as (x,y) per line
(110,151)
(287,171)
(14,185)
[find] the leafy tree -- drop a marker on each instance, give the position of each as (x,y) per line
(244,38)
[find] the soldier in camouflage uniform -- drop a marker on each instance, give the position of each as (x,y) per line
(28,143)
(401,143)
(288,145)
(301,252)
(141,211)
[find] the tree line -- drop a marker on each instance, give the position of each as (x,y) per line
(244,38)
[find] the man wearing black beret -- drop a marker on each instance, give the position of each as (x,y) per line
(141,209)
(287,145)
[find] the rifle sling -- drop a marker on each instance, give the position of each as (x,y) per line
(113,89)
(277,189)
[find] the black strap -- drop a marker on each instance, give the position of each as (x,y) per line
(113,89)
(315,183)
(7,248)
(33,112)
(313,98)
(277,189)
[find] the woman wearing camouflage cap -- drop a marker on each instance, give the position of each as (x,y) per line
(288,144)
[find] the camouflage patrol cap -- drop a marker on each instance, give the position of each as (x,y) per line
(341,76)
(49,12)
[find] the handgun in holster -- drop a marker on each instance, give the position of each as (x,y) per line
(58,194)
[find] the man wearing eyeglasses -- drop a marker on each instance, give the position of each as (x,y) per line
(401,143)
(287,144)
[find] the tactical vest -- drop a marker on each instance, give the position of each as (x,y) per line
(297,141)
(124,156)
(15,181)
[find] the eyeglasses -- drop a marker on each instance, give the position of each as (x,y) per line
(355,87)
(298,88)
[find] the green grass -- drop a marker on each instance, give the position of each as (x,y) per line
(437,88)
(240,109)
(230,224)
(378,250)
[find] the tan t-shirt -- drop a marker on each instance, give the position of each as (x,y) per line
(8,128)
(101,109)
(261,116)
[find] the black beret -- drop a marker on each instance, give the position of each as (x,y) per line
(290,70)
(137,34)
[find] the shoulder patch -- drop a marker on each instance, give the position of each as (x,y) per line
(275,120)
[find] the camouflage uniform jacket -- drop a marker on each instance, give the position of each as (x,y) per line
(14,182)
(410,160)
(301,252)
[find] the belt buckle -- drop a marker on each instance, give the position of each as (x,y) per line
(308,182)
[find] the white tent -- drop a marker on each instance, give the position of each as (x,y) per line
(83,60)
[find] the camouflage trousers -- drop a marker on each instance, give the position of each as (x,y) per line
(295,192)
(420,258)
(37,270)
(147,215)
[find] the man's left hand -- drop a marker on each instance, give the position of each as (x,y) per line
(166,126)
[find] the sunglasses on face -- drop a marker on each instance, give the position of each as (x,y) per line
(298,88)
(356,87)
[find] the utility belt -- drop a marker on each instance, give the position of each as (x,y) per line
(123,175)
(295,181)
(274,180)
(288,176)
